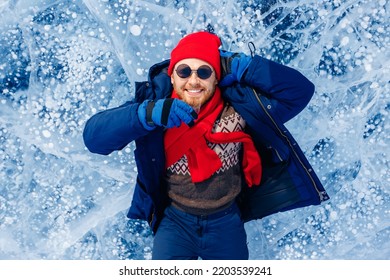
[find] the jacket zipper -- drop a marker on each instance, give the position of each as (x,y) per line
(320,194)
(151,219)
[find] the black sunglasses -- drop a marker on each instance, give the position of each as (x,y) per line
(184,71)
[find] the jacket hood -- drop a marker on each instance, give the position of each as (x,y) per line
(160,81)
(157,69)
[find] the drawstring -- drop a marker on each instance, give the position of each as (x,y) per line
(252,48)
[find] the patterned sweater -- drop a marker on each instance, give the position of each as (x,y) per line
(220,190)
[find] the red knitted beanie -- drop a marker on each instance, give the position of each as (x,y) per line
(201,45)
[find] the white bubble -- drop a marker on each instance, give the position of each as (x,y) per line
(374,85)
(140,71)
(342,206)
(344,41)
(46,133)
(135,30)
(368,67)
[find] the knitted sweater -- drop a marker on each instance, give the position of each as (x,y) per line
(220,190)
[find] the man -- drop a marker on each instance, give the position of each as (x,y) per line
(211,148)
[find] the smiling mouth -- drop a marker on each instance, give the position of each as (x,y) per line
(194,92)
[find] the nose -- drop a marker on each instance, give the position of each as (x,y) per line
(193,78)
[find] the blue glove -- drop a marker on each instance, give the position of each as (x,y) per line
(168,112)
(233,67)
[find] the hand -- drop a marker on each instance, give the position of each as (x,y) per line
(168,112)
(233,66)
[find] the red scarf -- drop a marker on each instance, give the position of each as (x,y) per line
(203,161)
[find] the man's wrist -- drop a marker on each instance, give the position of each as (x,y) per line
(142,115)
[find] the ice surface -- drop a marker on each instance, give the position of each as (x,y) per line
(62,61)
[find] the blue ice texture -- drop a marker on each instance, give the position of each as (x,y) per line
(63,61)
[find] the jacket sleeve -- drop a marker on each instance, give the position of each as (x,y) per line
(287,89)
(113,129)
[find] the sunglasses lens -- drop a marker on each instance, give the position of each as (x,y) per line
(183,71)
(204,72)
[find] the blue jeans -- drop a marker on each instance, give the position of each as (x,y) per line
(182,236)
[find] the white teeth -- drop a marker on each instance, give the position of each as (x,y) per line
(194,90)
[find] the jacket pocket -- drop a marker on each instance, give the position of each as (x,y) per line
(276,192)
(276,156)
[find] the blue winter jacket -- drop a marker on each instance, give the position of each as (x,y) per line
(270,95)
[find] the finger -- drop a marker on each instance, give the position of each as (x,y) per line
(185,116)
(187,108)
(174,119)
